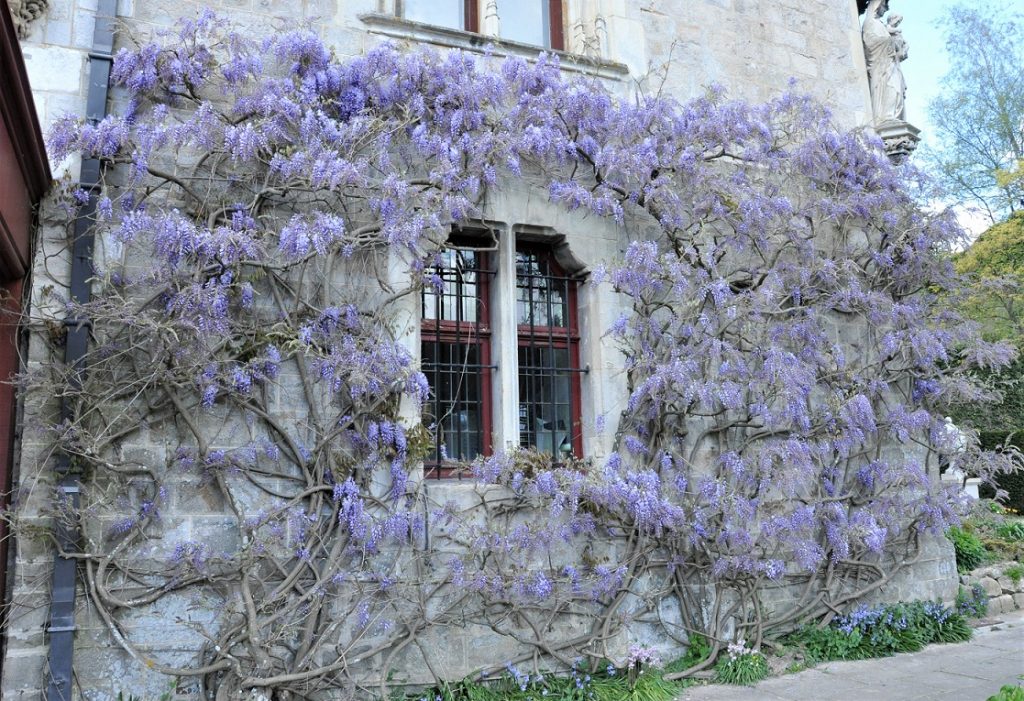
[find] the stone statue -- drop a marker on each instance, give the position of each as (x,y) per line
(884,50)
(24,12)
(957,446)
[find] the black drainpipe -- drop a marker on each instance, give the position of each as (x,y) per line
(62,599)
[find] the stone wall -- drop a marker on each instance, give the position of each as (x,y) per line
(1004,593)
(752,48)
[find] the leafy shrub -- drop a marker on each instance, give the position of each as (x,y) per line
(1011,530)
(1015,573)
(973,603)
(1012,482)
(881,631)
(1008,693)
(697,650)
(970,551)
(741,666)
(828,643)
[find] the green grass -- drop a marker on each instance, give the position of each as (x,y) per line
(581,684)
(600,682)
(698,651)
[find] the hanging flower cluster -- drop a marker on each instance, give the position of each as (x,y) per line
(785,354)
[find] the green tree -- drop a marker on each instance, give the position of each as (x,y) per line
(995,262)
(978,152)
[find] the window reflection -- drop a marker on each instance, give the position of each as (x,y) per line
(545,400)
(453,371)
(444,13)
(548,355)
(527,21)
(458,298)
(541,298)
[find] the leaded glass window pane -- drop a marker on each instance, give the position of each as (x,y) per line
(548,355)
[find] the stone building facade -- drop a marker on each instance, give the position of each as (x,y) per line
(678,46)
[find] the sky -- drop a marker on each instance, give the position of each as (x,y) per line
(928,63)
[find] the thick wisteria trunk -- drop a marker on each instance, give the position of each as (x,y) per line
(271,212)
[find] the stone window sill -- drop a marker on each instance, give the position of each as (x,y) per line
(406,30)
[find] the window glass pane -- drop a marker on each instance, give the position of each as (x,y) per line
(444,13)
(545,400)
(541,298)
(452,293)
(525,21)
(546,355)
(455,339)
(455,409)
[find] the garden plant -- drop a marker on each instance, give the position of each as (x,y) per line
(271,213)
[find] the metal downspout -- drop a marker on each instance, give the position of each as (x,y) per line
(62,600)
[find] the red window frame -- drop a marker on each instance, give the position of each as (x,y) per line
(552,337)
(471,20)
(556,25)
(441,332)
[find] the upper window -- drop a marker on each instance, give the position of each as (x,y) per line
(457,14)
(537,22)
(457,353)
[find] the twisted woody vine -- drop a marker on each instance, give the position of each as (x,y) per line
(785,356)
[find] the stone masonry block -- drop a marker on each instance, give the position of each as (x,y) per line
(991,586)
(220,533)
(57,30)
(22,695)
(24,669)
(804,65)
(53,68)
(1004,603)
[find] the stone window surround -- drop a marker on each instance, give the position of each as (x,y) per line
(504,331)
(552,10)
(386,22)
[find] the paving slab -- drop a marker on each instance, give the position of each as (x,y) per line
(971,671)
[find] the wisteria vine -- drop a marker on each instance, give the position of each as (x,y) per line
(269,211)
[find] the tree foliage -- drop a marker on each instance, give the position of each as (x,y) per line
(979,117)
(995,263)
(268,217)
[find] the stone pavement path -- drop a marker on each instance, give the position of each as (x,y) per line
(970,671)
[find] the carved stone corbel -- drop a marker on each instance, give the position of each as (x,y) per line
(24,12)
(900,138)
